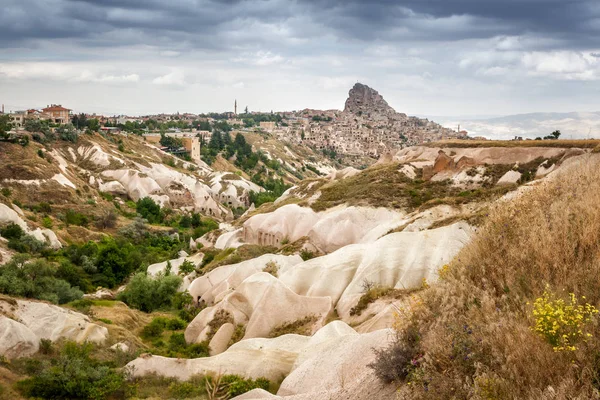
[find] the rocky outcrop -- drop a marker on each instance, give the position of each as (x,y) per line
(213,286)
(328,230)
(362,100)
(262,303)
(317,367)
(16,340)
(9,215)
(399,260)
(24,323)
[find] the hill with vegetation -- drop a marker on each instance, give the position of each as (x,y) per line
(442,271)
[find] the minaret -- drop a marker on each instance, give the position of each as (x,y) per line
(235,107)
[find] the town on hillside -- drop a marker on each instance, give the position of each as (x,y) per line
(367,126)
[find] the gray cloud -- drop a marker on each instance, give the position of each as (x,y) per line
(304,53)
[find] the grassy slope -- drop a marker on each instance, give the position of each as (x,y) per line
(475,336)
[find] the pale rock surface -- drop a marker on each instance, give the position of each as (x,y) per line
(544,169)
(261,302)
(333,367)
(220,341)
(408,170)
(343,173)
(509,178)
(161,267)
(479,156)
(399,260)
(336,370)
(253,358)
(328,230)
(16,340)
(223,279)
(124,347)
(231,239)
(290,221)
(100,294)
(8,215)
(51,322)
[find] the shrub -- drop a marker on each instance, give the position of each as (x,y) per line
(562,323)
(67,132)
(306,254)
(154,329)
(186,268)
(107,220)
(11,231)
(149,210)
(73,374)
(75,218)
(26,244)
(175,324)
(148,294)
(235,385)
(46,346)
(396,362)
(47,222)
(271,268)
(6,192)
(302,326)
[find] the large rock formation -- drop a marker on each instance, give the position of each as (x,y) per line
(328,230)
(362,100)
(262,303)
(318,363)
(24,323)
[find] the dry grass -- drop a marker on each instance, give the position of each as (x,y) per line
(584,144)
(385,186)
(302,326)
(475,327)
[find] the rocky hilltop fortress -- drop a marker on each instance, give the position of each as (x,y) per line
(368,126)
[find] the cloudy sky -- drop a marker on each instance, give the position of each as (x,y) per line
(426,57)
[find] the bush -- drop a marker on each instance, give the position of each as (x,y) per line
(46,346)
(562,323)
(186,268)
(236,385)
(396,362)
(26,244)
(47,222)
(175,324)
(148,294)
(154,329)
(107,220)
(76,218)
(12,231)
(149,210)
(67,132)
(73,375)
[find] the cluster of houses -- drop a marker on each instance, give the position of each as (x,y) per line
(55,113)
(347,133)
(332,130)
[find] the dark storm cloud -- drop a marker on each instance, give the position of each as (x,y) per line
(201,23)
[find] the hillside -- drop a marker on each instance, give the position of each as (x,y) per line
(425,265)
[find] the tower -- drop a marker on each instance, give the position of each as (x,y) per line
(235,107)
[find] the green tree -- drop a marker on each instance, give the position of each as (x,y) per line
(148,294)
(5,125)
(93,124)
(67,132)
(74,374)
(149,210)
